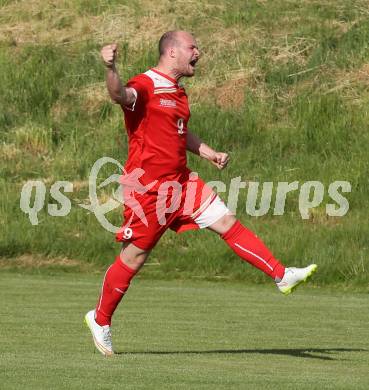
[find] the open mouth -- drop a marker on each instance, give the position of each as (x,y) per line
(193,62)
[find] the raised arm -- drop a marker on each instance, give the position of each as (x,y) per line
(118,93)
(197,146)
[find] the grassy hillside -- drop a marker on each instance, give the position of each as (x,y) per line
(282,86)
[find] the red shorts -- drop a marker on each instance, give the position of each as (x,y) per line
(178,206)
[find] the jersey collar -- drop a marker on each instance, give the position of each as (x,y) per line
(174,81)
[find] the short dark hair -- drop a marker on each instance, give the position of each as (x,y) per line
(167,39)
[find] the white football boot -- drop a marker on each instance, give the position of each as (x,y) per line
(100,334)
(295,276)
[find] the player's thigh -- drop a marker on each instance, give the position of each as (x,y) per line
(214,215)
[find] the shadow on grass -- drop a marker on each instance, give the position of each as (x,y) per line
(302,353)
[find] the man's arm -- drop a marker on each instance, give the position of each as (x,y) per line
(118,93)
(197,146)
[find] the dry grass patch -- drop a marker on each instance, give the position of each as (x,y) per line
(41,22)
(229,92)
(94,96)
(57,22)
(232,94)
(229,95)
(28,261)
(9,152)
(295,49)
(59,110)
(360,75)
(32,21)
(352,85)
(91,96)
(80,184)
(32,139)
(318,216)
(228,66)
(42,32)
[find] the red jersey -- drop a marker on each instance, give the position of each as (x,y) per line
(157,127)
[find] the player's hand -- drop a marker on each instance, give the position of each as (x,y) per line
(220,160)
(109,54)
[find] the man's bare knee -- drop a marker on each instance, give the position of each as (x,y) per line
(223,224)
(133,256)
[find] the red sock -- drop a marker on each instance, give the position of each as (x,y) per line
(250,248)
(116,282)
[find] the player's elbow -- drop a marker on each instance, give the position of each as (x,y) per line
(116,98)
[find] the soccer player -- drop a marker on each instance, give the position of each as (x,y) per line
(160,192)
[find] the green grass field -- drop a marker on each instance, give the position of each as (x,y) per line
(182,335)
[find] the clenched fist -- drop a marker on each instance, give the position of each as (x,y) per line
(220,160)
(109,54)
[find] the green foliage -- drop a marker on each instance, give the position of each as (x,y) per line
(345,50)
(299,68)
(36,77)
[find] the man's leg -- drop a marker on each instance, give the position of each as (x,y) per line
(117,280)
(115,284)
(248,246)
